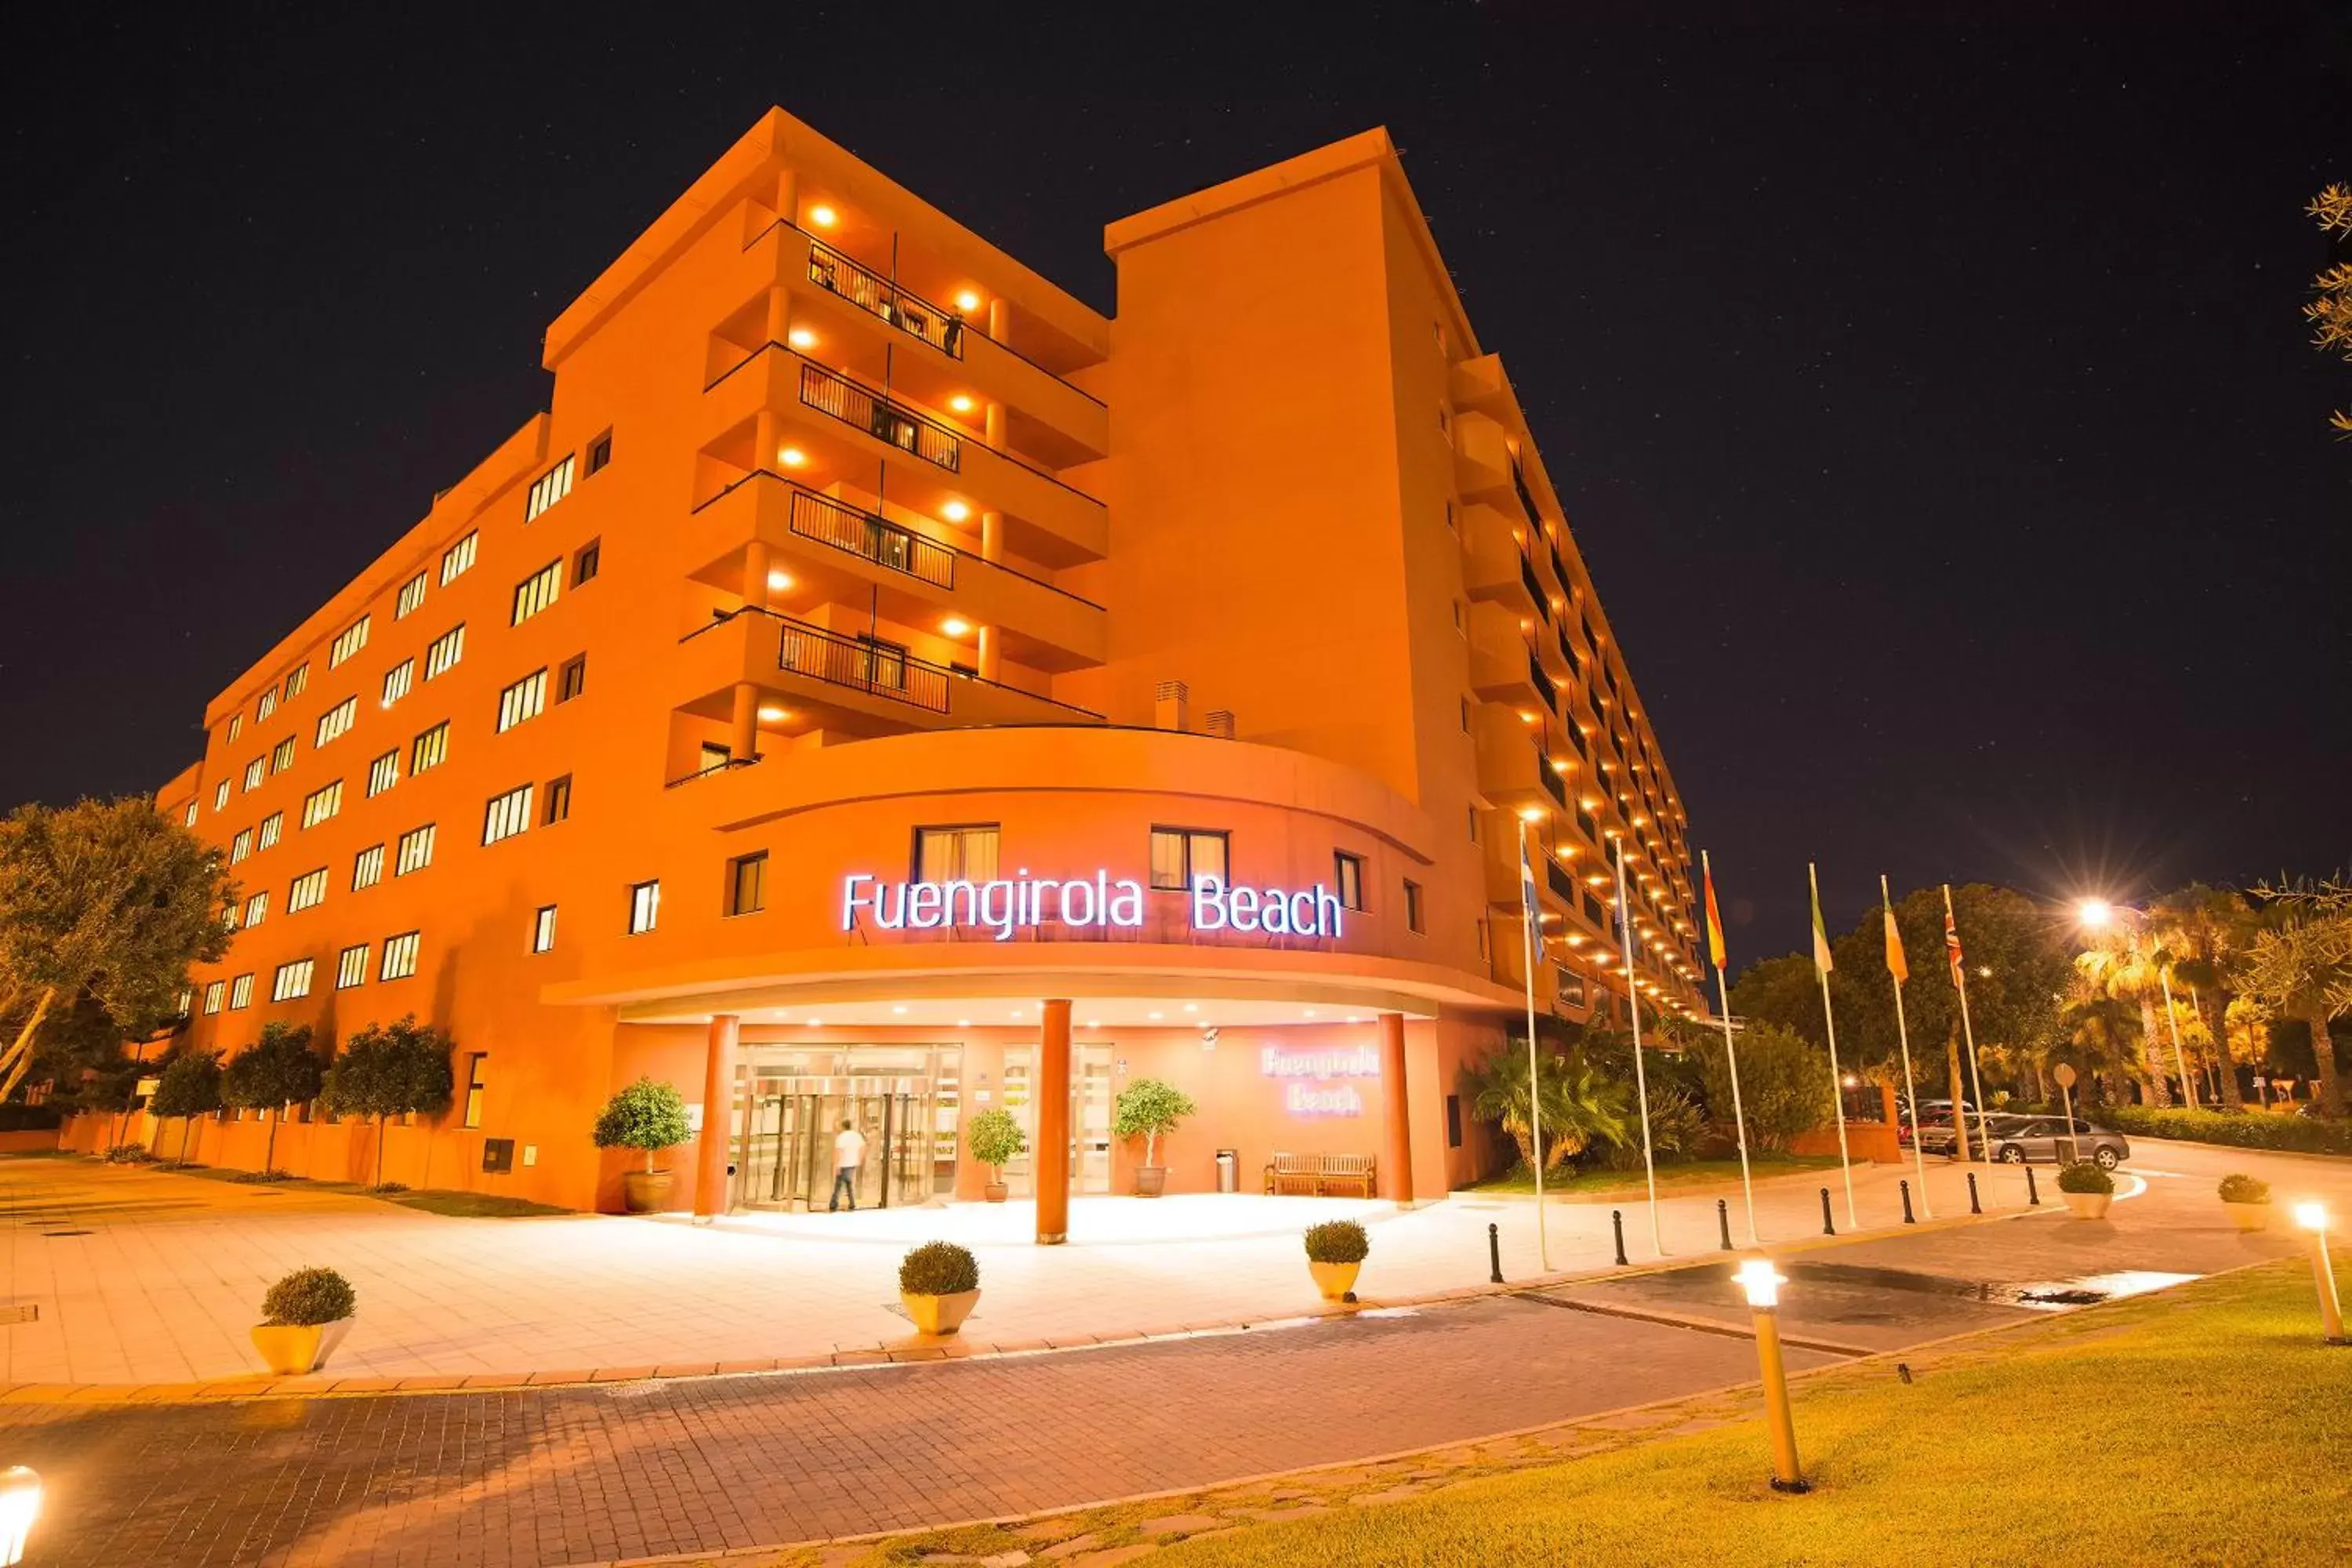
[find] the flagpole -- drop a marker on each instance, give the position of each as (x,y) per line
(1641,1077)
(2187,1088)
(1730,1052)
(1968,1032)
(1535,1094)
(1903,1033)
(1837,1088)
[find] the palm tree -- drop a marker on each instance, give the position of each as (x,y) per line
(2209,932)
(2105,1031)
(2300,966)
(1579,1106)
(2127,963)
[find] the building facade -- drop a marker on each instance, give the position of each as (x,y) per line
(881,687)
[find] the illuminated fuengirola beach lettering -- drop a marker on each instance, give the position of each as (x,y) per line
(1024,902)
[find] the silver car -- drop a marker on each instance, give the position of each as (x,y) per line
(2044,1140)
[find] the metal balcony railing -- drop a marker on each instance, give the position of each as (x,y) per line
(869,538)
(1550,777)
(1535,587)
(868,290)
(1542,681)
(880,419)
(1563,885)
(1568,652)
(1526,496)
(882,668)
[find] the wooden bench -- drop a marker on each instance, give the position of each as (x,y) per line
(1320,1175)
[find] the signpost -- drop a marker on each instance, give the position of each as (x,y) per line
(2066,1150)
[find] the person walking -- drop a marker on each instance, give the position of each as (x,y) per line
(848,1153)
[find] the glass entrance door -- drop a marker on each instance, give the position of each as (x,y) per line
(787,1128)
(1090,1117)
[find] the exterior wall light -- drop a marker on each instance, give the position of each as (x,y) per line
(967,302)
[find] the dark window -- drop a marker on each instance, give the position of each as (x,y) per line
(558,801)
(600,451)
(1347,870)
(1453,1121)
(1179,854)
(572,678)
(1414,918)
(747,884)
(585,560)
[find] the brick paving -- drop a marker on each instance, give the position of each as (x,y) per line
(591,1474)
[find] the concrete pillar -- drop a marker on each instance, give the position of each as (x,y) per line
(710,1143)
(767,440)
(994,427)
(779,316)
(991,548)
(1051,1164)
(756,565)
(1396,1160)
(744,733)
(1000,318)
(788,196)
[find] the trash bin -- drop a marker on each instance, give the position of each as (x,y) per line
(1229,1170)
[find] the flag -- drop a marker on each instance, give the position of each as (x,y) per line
(1895,962)
(1952,946)
(1820,934)
(1714,916)
(1528,891)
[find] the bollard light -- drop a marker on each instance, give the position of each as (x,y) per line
(1761,1282)
(20,1505)
(2313,1218)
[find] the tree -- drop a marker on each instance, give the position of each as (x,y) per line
(2209,931)
(1580,1107)
(107,903)
(647,1116)
(2330,309)
(275,1071)
(1784,1088)
(2103,1038)
(2126,962)
(1149,1109)
(1781,993)
(391,1069)
(190,1087)
(2299,966)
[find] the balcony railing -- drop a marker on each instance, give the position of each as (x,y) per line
(881,669)
(1550,777)
(1563,885)
(864,535)
(1568,652)
(1535,587)
(1526,496)
(868,290)
(880,419)
(1542,681)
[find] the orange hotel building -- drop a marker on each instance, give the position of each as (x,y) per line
(880,688)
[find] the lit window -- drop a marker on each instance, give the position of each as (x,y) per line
(213,994)
(441,654)
(255,772)
(309,888)
(586,561)
(645,906)
(240,993)
(272,827)
(507,814)
(367,867)
(266,706)
(383,773)
(298,681)
(188,817)
(459,559)
(558,801)
(572,678)
(399,957)
(525,698)
(537,591)
(256,909)
(351,967)
(747,884)
(241,845)
(411,595)
(1347,870)
(220,795)
(1180,854)
(430,750)
(292,980)
(353,638)
(398,679)
(322,803)
(235,727)
(542,930)
(335,720)
(477,1085)
(966,854)
(282,755)
(547,490)
(415,851)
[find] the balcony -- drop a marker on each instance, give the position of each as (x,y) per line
(835,552)
(1482,460)
(1495,568)
(870,291)
(879,417)
(1513,771)
(1502,668)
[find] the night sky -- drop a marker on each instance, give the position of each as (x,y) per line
(1926,385)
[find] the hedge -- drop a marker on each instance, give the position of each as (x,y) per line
(2297,1134)
(30,1118)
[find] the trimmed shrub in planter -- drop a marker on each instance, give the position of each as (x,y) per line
(651,1117)
(2247,1199)
(996,1139)
(940,1284)
(2086,1189)
(1149,1109)
(304,1317)
(1335,1250)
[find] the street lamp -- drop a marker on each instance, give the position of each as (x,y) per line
(2313,1218)
(1762,1283)
(2096,914)
(20,1505)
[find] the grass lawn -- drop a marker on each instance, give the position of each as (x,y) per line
(1694,1172)
(2201,1425)
(470,1206)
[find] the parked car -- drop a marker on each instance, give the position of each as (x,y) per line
(1932,1114)
(2018,1139)
(1936,1134)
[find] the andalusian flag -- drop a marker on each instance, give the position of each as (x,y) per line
(1894,963)
(1714,915)
(1821,933)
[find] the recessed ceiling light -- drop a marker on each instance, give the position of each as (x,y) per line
(792,456)
(898,1007)
(816,1023)
(777,716)
(955,512)
(955,626)
(967,302)
(1155,1016)
(963,1022)
(800,337)
(960,402)
(1191,1007)
(823,217)
(779,580)
(1093,1023)
(1310,1012)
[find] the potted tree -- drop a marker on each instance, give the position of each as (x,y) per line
(190,1087)
(1335,1250)
(996,1139)
(648,1116)
(277,1070)
(2086,1189)
(2248,1201)
(304,1317)
(940,1284)
(401,1069)
(1149,1109)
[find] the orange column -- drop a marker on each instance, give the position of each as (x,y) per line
(1399,1157)
(1051,1165)
(744,742)
(717,1092)
(991,549)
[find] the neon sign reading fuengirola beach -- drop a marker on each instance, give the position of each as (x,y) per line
(1025,903)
